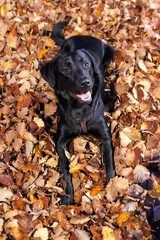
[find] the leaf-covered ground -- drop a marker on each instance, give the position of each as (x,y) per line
(30,180)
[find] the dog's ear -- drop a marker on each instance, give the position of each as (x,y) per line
(48,71)
(68,46)
(94,59)
(109,53)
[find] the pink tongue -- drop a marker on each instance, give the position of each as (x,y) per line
(84,96)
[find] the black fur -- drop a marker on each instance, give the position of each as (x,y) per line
(76,74)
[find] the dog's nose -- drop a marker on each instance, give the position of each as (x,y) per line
(85,83)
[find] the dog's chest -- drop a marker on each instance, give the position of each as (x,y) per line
(77,119)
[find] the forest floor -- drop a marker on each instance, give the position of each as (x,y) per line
(30,180)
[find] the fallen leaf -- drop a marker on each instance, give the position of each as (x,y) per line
(38,121)
(142,65)
(108,233)
(124,217)
(24,101)
(6,180)
(41,233)
(79,220)
(81,234)
(63,222)
(5,194)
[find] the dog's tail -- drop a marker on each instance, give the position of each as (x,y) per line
(57,34)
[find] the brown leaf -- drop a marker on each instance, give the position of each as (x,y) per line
(116,186)
(129,135)
(79,220)
(38,205)
(80,145)
(26,223)
(63,222)
(133,157)
(152,142)
(10,136)
(150,126)
(12,41)
(50,108)
(24,101)
(6,179)
(98,207)
(81,234)
(5,193)
(53,180)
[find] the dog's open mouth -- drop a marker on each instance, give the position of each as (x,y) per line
(83,97)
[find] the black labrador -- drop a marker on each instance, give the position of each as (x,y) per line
(76,74)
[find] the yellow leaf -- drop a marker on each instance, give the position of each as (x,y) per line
(41,53)
(124,217)
(3,10)
(77,167)
(155,193)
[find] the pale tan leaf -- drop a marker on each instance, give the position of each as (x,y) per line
(79,220)
(5,194)
(81,234)
(142,65)
(38,121)
(41,233)
(108,233)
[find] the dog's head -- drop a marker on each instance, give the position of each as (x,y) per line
(73,74)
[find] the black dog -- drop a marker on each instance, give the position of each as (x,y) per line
(76,74)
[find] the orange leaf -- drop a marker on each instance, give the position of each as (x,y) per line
(78,167)
(97,188)
(24,101)
(41,53)
(19,204)
(64,222)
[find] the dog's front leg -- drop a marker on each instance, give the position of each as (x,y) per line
(62,145)
(101,132)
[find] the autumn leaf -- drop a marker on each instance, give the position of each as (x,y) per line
(24,101)
(6,180)
(97,188)
(128,135)
(41,233)
(81,234)
(5,193)
(124,217)
(108,233)
(63,222)
(38,121)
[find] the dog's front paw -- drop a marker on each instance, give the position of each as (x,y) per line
(110,175)
(66,200)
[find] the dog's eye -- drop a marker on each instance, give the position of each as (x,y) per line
(86,65)
(65,70)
